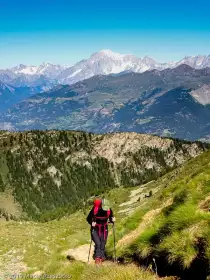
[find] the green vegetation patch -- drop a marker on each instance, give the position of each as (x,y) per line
(181,230)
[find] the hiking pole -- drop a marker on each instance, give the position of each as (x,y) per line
(90,250)
(113,228)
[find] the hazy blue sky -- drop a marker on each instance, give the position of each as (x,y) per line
(60,31)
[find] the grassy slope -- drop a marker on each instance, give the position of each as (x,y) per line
(42,246)
(181,231)
(176,231)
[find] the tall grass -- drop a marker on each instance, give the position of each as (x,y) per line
(178,230)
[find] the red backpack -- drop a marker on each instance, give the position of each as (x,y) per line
(97,206)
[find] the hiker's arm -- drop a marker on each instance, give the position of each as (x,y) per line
(90,217)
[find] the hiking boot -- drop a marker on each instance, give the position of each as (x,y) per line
(97,261)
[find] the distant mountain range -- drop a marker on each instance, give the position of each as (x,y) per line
(102,63)
(13,93)
(172,102)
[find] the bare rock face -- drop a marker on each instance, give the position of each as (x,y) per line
(202,95)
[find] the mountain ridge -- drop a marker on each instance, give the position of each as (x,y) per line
(102,62)
(128,102)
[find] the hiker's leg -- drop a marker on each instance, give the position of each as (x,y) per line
(103,244)
(94,253)
(97,241)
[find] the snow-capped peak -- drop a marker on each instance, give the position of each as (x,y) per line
(148,60)
(20,67)
(110,53)
(107,62)
(106,53)
(104,62)
(23,69)
(45,64)
(47,69)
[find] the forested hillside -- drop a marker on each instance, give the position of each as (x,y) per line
(46,174)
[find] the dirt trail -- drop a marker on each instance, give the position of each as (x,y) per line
(81,253)
(13,267)
(147,220)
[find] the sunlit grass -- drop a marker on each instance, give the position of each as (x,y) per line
(179,229)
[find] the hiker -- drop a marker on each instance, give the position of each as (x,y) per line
(98,219)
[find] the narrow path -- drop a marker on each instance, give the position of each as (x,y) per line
(147,220)
(81,253)
(15,266)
